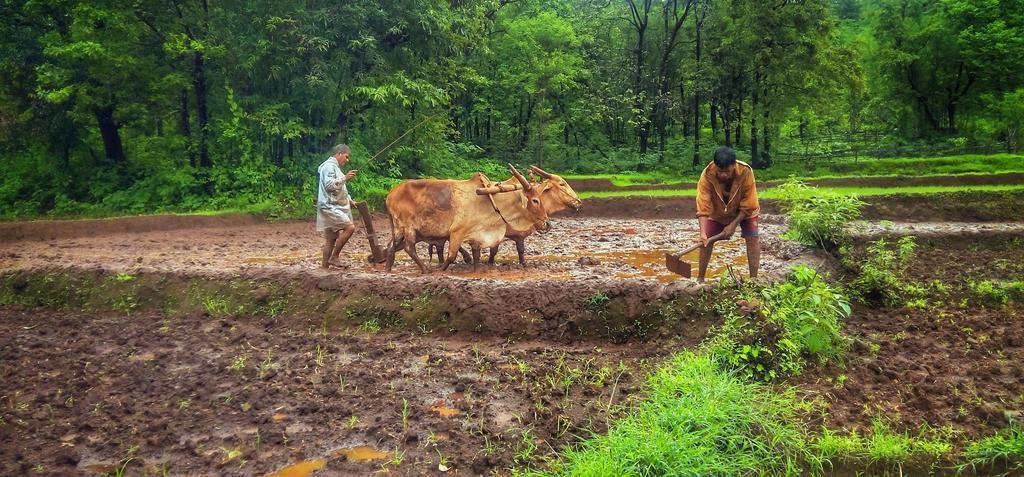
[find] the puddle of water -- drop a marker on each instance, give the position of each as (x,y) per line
(279,417)
(360,454)
(445,411)
(302,469)
(651,263)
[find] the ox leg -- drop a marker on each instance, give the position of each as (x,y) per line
(465,255)
(391,251)
(476,256)
(410,248)
(454,247)
(430,252)
(440,251)
(521,250)
(493,255)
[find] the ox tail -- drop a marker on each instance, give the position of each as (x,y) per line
(395,239)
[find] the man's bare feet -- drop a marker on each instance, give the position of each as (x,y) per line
(337,263)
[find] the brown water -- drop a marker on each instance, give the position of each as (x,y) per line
(301,469)
(445,411)
(360,454)
(651,263)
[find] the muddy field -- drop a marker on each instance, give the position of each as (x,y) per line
(956,360)
(173,390)
(201,396)
(576,249)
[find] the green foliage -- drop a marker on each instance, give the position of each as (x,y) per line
(1004,448)
(168,107)
(883,446)
(815,218)
(216,307)
(996,294)
(881,275)
(596,302)
(697,420)
(775,330)
(370,326)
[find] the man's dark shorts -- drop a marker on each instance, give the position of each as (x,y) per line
(748,228)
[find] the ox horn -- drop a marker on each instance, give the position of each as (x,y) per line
(522,180)
(540,172)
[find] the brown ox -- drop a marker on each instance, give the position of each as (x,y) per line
(434,210)
(556,195)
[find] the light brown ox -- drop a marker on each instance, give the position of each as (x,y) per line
(556,195)
(434,210)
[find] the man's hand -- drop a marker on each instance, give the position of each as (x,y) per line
(702,239)
(351,174)
(728,231)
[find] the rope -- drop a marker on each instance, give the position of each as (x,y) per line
(486,183)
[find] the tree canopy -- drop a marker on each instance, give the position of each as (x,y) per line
(185,104)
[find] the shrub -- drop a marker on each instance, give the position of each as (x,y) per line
(882,273)
(815,218)
(801,317)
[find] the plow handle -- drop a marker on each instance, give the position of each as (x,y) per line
(377,255)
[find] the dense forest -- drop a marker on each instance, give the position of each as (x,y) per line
(143,106)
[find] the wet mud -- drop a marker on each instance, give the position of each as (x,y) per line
(84,393)
(586,278)
(956,360)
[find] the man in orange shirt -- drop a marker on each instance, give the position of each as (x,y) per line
(727,198)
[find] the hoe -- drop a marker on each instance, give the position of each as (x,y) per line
(675,264)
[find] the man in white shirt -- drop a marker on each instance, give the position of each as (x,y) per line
(333,213)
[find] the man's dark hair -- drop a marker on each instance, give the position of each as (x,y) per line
(725,156)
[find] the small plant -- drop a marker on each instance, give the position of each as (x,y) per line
(991,294)
(319,355)
(266,365)
(769,335)
(124,277)
(405,415)
(596,302)
(816,218)
(216,307)
(125,303)
(237,363)
(370,326)
(882,273)
(353,421)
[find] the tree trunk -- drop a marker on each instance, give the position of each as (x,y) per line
(109,131)
(714,119)
(755,158)
(738,139)
(186,127)
(202,113)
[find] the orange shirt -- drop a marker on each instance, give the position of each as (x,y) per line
(711,200)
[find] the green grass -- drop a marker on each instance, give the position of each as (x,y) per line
(854,191)
(868,167)
(883,446)
(698,420)
(1006,447)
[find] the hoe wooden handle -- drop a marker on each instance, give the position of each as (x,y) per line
(711,240)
